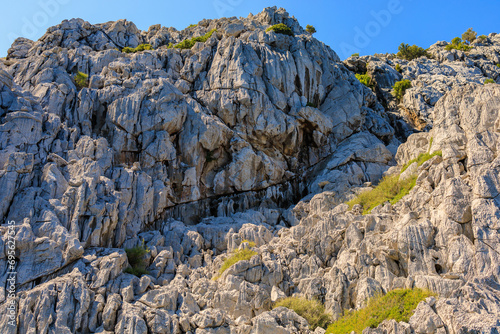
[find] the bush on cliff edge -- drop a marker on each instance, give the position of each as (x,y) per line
(280,29)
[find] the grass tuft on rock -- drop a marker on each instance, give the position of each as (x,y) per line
(135,257)
(250,243)
(422,157)
(189,43)
(81,80)
(311,310)
(390,189)
(139,48)
(237,256)
(489,81)
(397,304)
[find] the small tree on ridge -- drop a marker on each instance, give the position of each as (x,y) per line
(310,29)
(469,36)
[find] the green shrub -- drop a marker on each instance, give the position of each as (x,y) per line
(397,304)
(422,157)
(139,48)
(398,68)
(143,47)
(469,36)
(483,37)
(355,54)
(458,44)
(310,29)
(399,89)
(462,46)
(489,81)
(310,104)
(365,79)
(311,310)
(410,52)
(237,256)
(390,188)
(189,43)
(456,41)
(191,26)
(280,28)
(498,65)
(135,257)
(81,80)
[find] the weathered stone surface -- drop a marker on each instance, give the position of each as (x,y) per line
(425,320)
(61,304)
(252,140)
(279,320)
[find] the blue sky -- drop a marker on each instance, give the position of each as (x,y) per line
(364,26)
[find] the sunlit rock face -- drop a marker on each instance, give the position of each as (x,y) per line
(249,140)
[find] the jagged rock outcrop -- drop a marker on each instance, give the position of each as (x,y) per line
(430,78)
(200,152)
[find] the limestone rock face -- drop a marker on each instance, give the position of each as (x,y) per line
(431,79)
(251,141)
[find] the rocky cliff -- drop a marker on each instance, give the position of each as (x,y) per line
(252,136)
